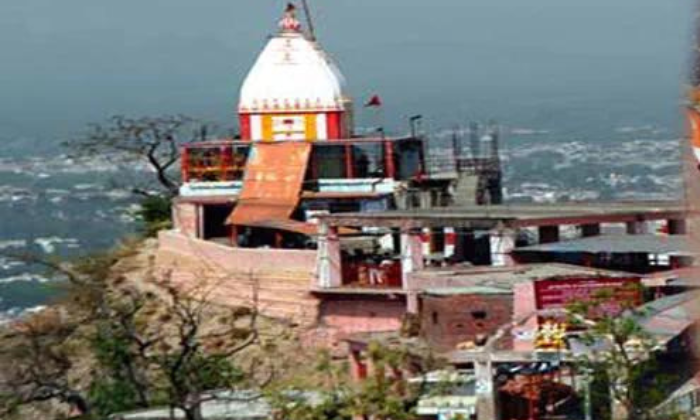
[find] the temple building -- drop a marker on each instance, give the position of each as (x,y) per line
(298,157)
(358,236)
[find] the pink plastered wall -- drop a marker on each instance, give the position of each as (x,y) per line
(238,259)
(524,312)
(361,315)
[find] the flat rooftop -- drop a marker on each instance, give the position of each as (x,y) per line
(676,245)
(491,280)
(514,216)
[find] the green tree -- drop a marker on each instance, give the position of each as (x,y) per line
(385,394)
(155,213)
(621,357)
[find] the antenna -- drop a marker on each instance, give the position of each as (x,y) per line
(309,20)
(494,134)
(474,144)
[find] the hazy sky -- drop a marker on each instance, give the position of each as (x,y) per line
(66,62)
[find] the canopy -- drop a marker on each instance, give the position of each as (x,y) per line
(272,183)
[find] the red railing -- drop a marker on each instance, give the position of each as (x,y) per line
(213,162)
(350,158)
(371,274)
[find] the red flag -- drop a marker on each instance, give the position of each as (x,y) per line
(374,101)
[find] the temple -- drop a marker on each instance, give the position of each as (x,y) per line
(355,236)
(298,157)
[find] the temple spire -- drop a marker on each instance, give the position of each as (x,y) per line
(289,22)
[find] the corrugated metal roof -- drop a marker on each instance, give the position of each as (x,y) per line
(272,184)
(620,244)
(670,316)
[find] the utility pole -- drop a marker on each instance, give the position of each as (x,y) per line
(587,403)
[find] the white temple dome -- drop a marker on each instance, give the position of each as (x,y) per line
(292,73)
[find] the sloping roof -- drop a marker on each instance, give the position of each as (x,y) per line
(670,316)
(272,185)
(619,244)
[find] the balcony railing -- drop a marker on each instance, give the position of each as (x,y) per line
(368,158)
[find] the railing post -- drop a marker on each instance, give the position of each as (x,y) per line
(389,168)
(349,170)
(185,163)
(329,264)
(225,159)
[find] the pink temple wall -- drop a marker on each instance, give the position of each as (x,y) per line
(239,259)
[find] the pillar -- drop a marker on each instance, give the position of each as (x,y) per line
(411,254)
(450,242)
(200,221)
(502,244)
(486,407)
(426,239)
(233,231)
(637,227)
(548,234)
(328,258)
(412,305)
(425,199)
(677,226)
(389,167)
(590,229)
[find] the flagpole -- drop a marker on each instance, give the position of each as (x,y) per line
(309,20)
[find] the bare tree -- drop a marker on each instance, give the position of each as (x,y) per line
(113,346)
(153,141)
(36,363)
(175,348)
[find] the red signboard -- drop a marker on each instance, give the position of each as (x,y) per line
(558,293)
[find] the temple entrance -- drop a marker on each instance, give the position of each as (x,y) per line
(214,221)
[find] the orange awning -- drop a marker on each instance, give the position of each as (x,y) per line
(272,184)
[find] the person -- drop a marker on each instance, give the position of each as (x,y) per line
(375,274)
(363,276)
(385,267)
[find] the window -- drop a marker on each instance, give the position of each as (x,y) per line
(407,159)
(368,160)
(328,162)
(479,315)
